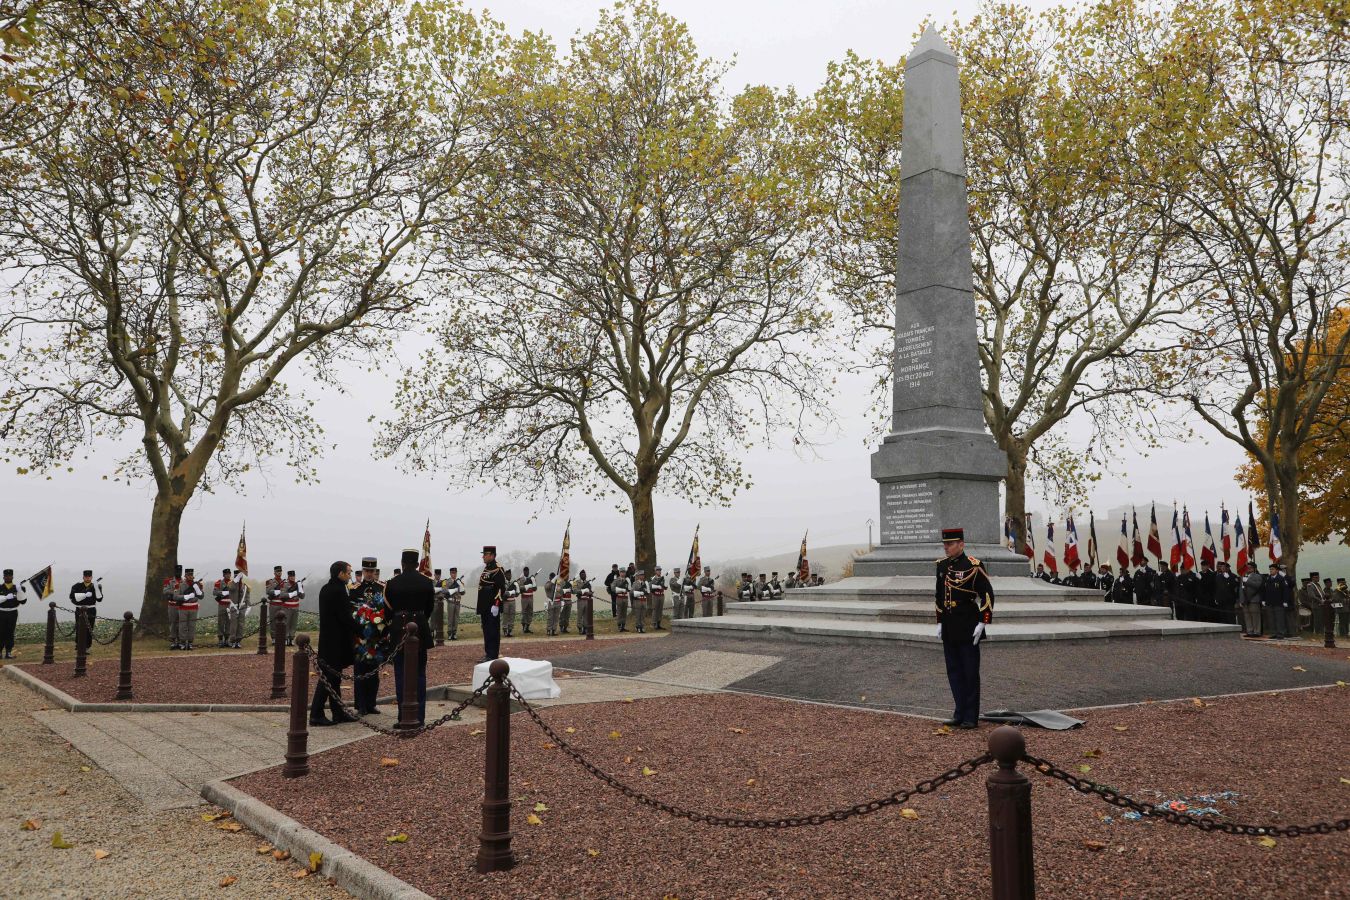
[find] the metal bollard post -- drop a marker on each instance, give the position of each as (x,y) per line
(262,627)
(279,658)
(124,675)
(408,707)
(81,638)
(297,738)
(1010,861)
(1329,621)
(721,604)
(590,619)
(494,838)
(49,649)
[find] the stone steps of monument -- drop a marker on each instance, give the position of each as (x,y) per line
(1005,609)
(920,588)
(808,628)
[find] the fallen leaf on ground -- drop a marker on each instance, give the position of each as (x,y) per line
(1120,728)
(1198,703)
(59,842)
(1267,842)
(60,792)
(736,730)
(302,873)
(908,814)
(628,759)
(749,781)
(399,838)
(33,824)
(546,746)
(541,807)
(1095,845)
(388,762)
(1340,684)
(1299,669)
(1343,781)
(637,749)
(476,732)
(945,729)
(101,854)
(85,769)
(627,699)
(230,826)
(862,698)
(592,852)
(614,735)
(1085,769)
(211,817)
(1092,754)
(281,855)
(228,880)
(532,819)
(647,773)
(264,848)
(315,860)
(570,730)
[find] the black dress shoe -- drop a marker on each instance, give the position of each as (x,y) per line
(320,723)
(969,725)
(954,720)
(338,720)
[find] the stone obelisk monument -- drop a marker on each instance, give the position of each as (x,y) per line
(939,467)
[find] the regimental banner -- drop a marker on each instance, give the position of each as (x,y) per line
(42,583)
(241,552)
(1071,545)
(1225,531)
(565,558)
(1154,538)
(425,565)
(695,564)
(803,566)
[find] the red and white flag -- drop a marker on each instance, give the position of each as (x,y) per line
(241,552)
(1209,554)
(1253,536)
(1029,549)
(1188,547)
(1123,548)
(1175,556)
(1240,538)
(1071,545)
(1051,562)
(1154,539)
(1225,538)
(1137,556)
(425,565)
(1276,551)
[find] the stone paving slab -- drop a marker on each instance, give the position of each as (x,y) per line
(712,669)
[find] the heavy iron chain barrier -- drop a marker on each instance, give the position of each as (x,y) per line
(389,659)
(1176,817)
(837,815)
(320,672)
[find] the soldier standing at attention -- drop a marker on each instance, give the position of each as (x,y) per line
(220,592)
(1226,589)
(620,585)
(273,588)
(762,588)
(965,607)
(239,604)
(1122,589)
(707,587)
(412,598)
(609,589)
(745,592)
(791,582)
(510,597)
(1105,580)
(370,622)
(294,593)
(585,597)
(9,612)
(170,591)
(775,587)
(640,592)
(84,594)
(438,615)
(564,591)
(491,591)
(1253,590)
(527,588)
(1187,598)
(658,585)
(1340,601)
(565,615)
(189,595)
(1146,585)
(679,598)
(554,604)
(454,591)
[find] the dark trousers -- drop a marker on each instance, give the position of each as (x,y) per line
(492,635)
(963,674)
(421,684)
(90,617)
(323,696)
(365,691)
(8,619)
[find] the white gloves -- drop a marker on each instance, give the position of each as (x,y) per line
(276,593)
(979,632)
(496,609)
(939,629)
(291,595)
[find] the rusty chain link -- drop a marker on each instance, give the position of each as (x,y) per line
(451,716)
(837,815)
(1176,817)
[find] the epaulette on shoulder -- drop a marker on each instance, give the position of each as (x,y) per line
(974,561)
(939,561)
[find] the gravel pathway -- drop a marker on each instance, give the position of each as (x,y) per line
(1055,675)
(244,677)
(170,854)
(1283,755)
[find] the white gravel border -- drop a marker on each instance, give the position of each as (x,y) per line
(354,874)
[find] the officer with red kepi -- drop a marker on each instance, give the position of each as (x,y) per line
(964,606)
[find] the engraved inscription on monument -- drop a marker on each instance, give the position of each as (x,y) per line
(914,355)
(908,512)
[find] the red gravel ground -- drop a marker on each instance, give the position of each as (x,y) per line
(245,677)
(1283,754)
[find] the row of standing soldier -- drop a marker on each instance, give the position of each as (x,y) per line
(770,587)
(631,590)
(84,595)
(183,593)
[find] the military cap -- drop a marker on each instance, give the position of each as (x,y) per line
(490,548)
(276,568)
(89,573)
(953,534)
(224,571)
(9,573)
(369,562)
(188,571)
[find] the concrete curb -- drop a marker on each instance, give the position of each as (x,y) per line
(67,702)
(354,874)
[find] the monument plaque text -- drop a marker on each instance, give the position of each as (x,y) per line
(908,512)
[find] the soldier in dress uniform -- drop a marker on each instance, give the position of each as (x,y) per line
(1273,618)
(1105,581)
(565,615)
(791,581)
(1311,599)
(10,600)
(239,605)
(1226,589)
(273,589)
(510,599)
(964,603)
(1340,600)
(527,586)
(585,594)
(565,591)
(553,604)
(658,585)
(220,592)
(609,589)
(438,614)
(370,614)
(775,587)
(707,589)
(1187,601)
(189,605)
(678,607)
(1122,589)
(295,592)
(745,591)
(620,585)
(454,593)
(491,592)
(1146,585)
(689,590)
(1253,597)
(170,593)
(84,594)
(762,588)
(1041,573)
(639,593)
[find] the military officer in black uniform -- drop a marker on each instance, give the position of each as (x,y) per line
(965,607)
(491,590)
(10,599)
(84,594)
